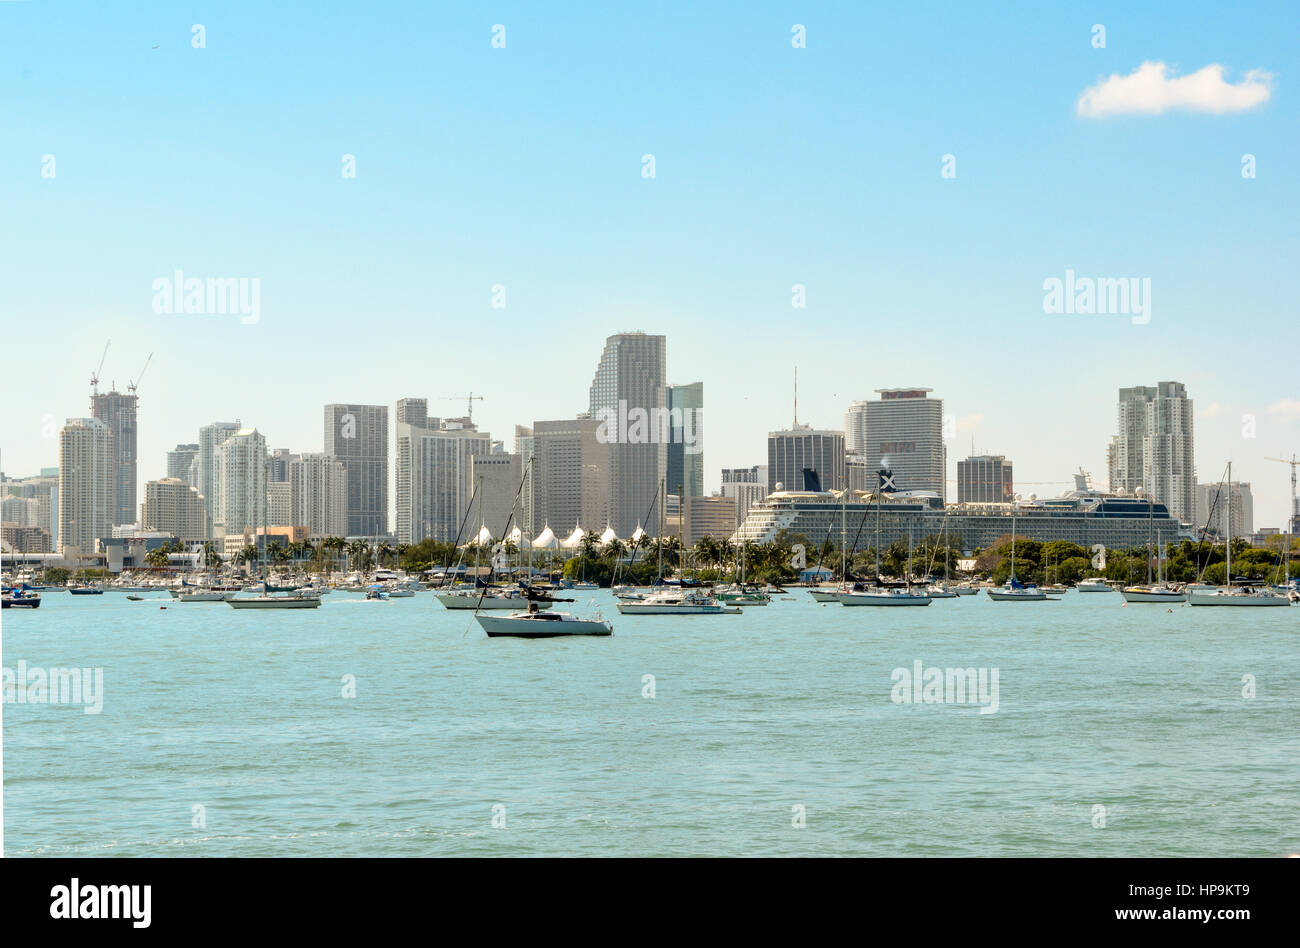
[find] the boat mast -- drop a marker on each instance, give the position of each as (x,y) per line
(1227,569)
(1150,524)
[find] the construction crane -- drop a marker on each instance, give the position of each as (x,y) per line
(131,386)
(1295,508)
(94,376)
(470,399)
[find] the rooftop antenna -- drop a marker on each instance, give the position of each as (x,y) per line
(796,396)
(94,376)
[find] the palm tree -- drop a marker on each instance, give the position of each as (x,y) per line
(589,543)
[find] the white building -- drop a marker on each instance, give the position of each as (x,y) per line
(174,508)
(211,437)
(241,483)
(433,479)
(87,485)
(319,485)
(1153,448)
(904,433)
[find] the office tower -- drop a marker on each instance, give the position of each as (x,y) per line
(1153,447)
(857,475)
(319,495)
(745,475)
(211,437)
(118,411)
(87,485)
(241,484)
(180,462)
(570,484)
(903,431)
(855,428)
(1212,502)
(802,448)
(414,412)
(748,485)
(629,397)
(434,486)
(984,479)
(278,465)
(686,439)
(708,517)
(279,503)
(173,506)
(42,488)
(358,436)
(497,477)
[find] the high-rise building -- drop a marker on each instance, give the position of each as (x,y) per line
(708,517)
(358,436)
(434,486)
(802,448)
(277,465)
(414,412)
(87,485)
(118,411)
(180,461)
(241,484)
(279,503)
(211,437)
(19,539)
(319,485)
(1153,448)
(570,484)
(903,431)
(630,398)
(855,428)
(497,478)
(984,479)
(1212,502)
(686,439)
(174,507)
(748,485)
(42,488)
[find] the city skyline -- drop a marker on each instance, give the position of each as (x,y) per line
(820,168)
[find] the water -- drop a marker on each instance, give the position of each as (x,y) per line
(1134,709)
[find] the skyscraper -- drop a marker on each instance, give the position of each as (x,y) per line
(319,485)
(87,485)
(791,452)
(180,462)
(904,432)
(118,411)
(984,479)
(686,439)
(434,485)
(855,428)
(358,436)
(241,484)
(497,477)
(1212,501)
(173,506)
(1153,448)
(629,396)
(414,412)
(211,437)
(570,485)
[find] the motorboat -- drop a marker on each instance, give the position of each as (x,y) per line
(1094,584)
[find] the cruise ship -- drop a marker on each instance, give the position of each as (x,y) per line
(1083,516)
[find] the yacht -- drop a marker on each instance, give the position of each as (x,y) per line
(1094,584)
(677,602)
(884,597)
(296,600)
(493,599)
(543,625)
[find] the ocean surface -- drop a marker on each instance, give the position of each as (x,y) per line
(776,732)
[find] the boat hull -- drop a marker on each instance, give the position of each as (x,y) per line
(870,599)
(303,603)
(658,609)
(1135,595)
(1000,595)
(521,627)
(488,603)
(1200,598)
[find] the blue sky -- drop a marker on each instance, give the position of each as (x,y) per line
(774,166)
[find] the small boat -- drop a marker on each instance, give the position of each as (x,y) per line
(377,595)
(1237,596)
(203,595)
(941,591)
(298,600)
(826,595)
(86,590)
(586,586)
(1153,593)
(535,624)
(675,602)
(1016,591)
(966,589)
(134,598)
(1094,585)
(20,599)
(884,597)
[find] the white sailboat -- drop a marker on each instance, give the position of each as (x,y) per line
(1228,595)
(1014,590)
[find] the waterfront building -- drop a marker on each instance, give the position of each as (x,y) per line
(984,479)
(174,508)
(1153,447)
(87,485)
(118,411)
(277,465)
(358,436)
(181,462)
(434,483)
(279,502)
(570,485)
(800,448)
(903,431)
(685,472)
(211,437)
(241,483)
(629,384)
(319,495)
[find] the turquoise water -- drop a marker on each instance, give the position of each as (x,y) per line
(1131,708)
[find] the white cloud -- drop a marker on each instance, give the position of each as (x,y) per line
(1151,90)
(969,422)
(1212,410)
(1286,408)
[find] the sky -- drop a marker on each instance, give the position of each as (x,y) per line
(129,152)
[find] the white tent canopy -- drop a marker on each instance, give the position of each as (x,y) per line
(574,540)
(608,537)
(484,536)
(517,537)
(638,535)
(546,540)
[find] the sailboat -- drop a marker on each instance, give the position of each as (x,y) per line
(1014,590)
(1158,591)
(881,596)
(1228,595)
